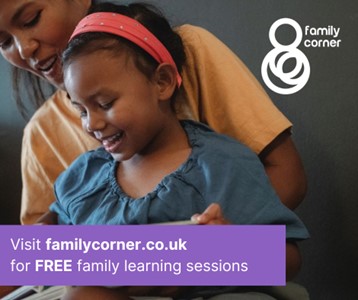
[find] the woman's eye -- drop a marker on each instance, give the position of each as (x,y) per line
(34,20)
(5,44)
(80,109)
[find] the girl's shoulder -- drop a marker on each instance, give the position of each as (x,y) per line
(90,162)
(210,142)
(90,169)
(218,154)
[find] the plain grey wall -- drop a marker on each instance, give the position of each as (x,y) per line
(11,126)
(324,114)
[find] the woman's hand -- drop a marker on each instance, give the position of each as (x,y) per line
(211,216)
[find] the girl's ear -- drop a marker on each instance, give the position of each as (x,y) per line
(87,3)
(165,78)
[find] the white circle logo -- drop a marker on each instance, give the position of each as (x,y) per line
(275,59)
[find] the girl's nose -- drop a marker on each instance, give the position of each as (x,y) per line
(94,123)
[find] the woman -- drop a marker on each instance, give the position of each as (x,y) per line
(34,33)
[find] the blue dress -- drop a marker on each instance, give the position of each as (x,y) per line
(219,169)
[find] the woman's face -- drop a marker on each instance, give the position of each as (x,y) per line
(33,33)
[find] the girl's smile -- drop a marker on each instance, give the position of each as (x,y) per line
(112,144)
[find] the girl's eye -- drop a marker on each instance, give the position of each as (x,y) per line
(107,105)
(83,114)
(34,20)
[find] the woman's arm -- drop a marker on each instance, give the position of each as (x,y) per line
(285,170)
(293,260)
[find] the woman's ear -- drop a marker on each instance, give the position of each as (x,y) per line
(166,80)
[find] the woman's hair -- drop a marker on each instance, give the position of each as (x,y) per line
(29,91)
(150,17)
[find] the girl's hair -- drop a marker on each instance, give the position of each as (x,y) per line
(148,16)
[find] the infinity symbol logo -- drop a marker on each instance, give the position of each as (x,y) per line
(276,58)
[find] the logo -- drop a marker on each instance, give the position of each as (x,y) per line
(275,60)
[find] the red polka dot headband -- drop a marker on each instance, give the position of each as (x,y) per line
(129,29)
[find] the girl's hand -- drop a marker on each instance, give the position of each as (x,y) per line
(211,216)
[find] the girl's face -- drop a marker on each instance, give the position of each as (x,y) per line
(33,33)
(118,104)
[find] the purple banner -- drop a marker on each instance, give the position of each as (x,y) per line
(142,255)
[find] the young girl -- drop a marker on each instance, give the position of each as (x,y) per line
(122,73)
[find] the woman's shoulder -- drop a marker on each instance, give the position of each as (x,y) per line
(53,105)
(55,131)
(56,112)
(198,42)
(44,125)
(192,32)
